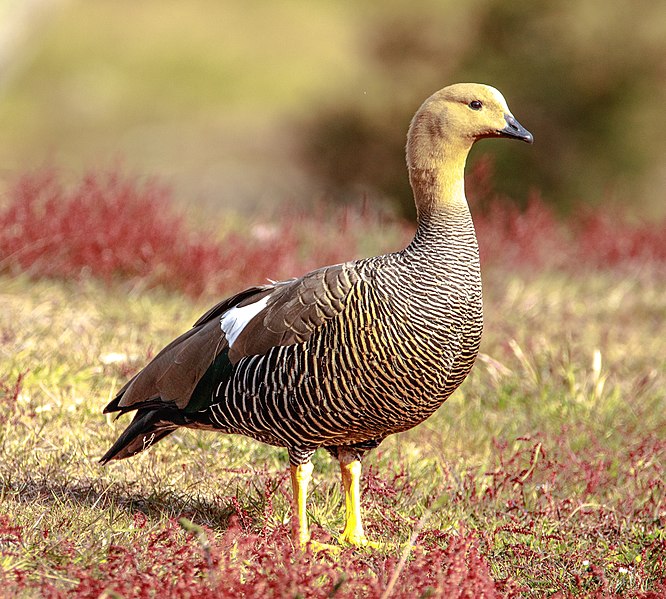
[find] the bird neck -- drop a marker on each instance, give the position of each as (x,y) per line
(438,181)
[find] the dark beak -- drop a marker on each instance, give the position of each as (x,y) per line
(515,129)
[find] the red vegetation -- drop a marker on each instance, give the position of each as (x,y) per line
(114,227)
(106,226)
(608,241)
(169,563)
(536,526)
(536,237)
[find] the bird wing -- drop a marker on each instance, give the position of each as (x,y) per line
(293,311)
(248,323)
(171,376)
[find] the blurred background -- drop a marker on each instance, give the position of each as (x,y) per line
(246,104)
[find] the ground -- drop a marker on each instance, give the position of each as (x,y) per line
(544,473)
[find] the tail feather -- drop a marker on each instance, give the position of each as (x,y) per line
(147,428)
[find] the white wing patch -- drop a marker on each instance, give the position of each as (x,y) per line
(233,321)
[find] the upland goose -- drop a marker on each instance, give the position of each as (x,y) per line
(347,354)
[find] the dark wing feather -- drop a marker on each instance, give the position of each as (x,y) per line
(172,375)
(147,428)
(295,310)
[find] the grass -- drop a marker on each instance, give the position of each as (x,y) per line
(543,475)
(548,462)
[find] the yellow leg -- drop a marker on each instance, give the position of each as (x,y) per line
(300,479)
(351,477)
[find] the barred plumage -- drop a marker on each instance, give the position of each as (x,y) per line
(350,353)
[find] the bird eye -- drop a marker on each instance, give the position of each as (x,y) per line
(475,105)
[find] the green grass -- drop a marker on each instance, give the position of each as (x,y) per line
(566,406)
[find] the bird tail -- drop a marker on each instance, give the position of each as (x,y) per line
(147,428)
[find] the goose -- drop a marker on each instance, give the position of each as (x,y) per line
(348,354)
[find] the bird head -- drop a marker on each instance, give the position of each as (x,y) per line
(457,116)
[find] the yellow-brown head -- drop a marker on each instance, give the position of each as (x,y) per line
(452,119)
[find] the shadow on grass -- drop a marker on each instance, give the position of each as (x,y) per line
(115,498)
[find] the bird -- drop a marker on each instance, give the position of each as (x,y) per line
(347,354)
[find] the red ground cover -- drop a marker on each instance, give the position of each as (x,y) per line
(111,226)
(530,496)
